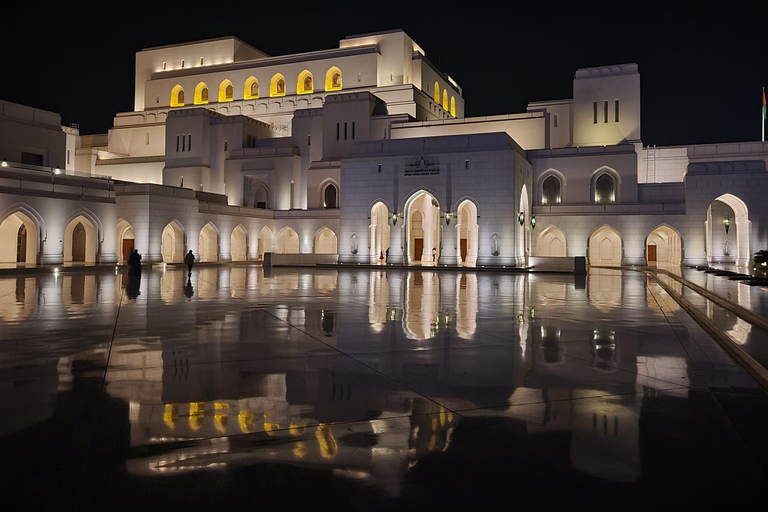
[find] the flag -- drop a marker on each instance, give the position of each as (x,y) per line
(763,104)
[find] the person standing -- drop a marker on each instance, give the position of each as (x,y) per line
(189,259)
(386,256)
(381,257)
(134,263)
(434,255)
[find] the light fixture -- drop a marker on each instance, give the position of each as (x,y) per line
(448,216)
(533,222)
(395,216)
(4,164)
(521,218)
(727,224)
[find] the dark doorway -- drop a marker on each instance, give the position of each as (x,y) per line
(418,250)
(21,245)
(464,251)
(78,243)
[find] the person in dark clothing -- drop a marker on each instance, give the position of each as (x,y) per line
(134,263)
(189,259)
(386,256)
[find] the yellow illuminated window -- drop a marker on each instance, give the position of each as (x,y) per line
(226,91)
(304,85)
(201,94)
(445,99)
(177,96)
(277,85)
(333,79)
(453,106)
(437,93)
(251,90)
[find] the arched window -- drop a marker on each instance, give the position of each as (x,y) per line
(437,93)
(605,189)
(330,197)
(305,85)
(21,244)
(333,79)
(177,96)
(277,85)
(550,190)
(445,100)
(251,90)
(201,94)
(453,106)
(226,91)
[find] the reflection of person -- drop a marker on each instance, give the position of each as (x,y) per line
(188,290)
(434,254)
(133,285)
(189,259)
(134,263)
(386,256)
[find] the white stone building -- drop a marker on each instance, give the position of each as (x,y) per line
(363,152)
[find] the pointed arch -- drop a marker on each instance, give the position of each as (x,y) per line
(265,241)
(201,93)
(718,244)
(238,245)
(251,88)
(177,96)
(664,245)
(555,190)
(436,92)
(329,193)
(325,241)
(172,242)
(453,106)
(226,91)
(379,231)
(605,186)
(20,235)
(333,79)
(422,224)
(277,85)
(81,237)
(208,243)
(605,247)
(467,232)
(524,231)
(305,83)
(126,237)
(551,242)
(287,241)
(445,100)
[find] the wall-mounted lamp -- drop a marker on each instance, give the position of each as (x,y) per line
(521,218)
(448,217)
(533,222)
(4,163)
(727,224)
(395,216)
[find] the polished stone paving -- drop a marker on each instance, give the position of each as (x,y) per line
(368,390)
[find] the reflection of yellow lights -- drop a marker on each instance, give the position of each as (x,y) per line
(328,446)
(442,417)
(196,415)
(434,423)
(296,429)
(300,450)
(171,415)
(245,420)
(432,442)
(269,428)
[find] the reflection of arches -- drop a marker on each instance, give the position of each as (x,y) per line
(177,96)
(265,241)
(422,215)
(551,242)
(201,94)
(604,287)
(287,241)
(422,303)
(239,244)
(80,241)
(664,245)
(125,240)
(378,300)
(208,243)
(719,245)
(605,247)
(251,89)
(333,79)
(172,243)
(305,83)
(226,91)
(466,305)
(467,233)
(18,239)
(379,230)
(325,242)
(277,85)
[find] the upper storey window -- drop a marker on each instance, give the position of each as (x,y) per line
(333,79)
(305,84)
(330,197)
(277,85)
(445,100)
(201,94)
(453,106)
(251,90)
(437,93)
(177,96)
(550,191)
(226,91)
(605,189)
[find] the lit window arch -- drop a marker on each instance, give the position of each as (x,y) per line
(551,190)
(226,91)
(437,93)
(305,83)
(445,100)
(330,195)
(277,85)
(251,89)
(605,189)
(201,94)
(333,79)
(177,96)
(453,106)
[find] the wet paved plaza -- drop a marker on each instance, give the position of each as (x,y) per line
(359,390)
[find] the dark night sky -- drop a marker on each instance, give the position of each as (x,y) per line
(701,71)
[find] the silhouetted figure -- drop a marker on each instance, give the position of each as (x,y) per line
(134,263)
(434,254)
(188,290)
(132,287)
(189,259)
(386,256)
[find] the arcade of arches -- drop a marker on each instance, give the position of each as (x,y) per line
(664,245)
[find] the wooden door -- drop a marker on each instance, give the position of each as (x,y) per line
(418,250)
(127,248)
(463,249)
(651,253)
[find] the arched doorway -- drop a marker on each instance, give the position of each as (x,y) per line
(265,241)
(80,241)
(551,243)
(379,230)
(467,233)
(18,239)
(126,240)
(728,231)
(326,242)
(605,247)
(208,243)
(422,215)
(523,228)
(288,242)
(172,245)
(663,245)
(239,244)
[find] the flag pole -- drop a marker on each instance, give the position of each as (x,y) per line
(762,125)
